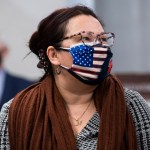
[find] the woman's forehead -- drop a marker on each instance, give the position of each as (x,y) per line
(83,23)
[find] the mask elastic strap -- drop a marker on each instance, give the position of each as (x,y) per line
(64,49)
(67,68)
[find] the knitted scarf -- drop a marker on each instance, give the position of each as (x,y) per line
(38,119)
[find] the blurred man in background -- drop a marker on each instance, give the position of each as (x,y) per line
(10,85)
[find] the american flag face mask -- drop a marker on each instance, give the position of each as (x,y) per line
(91,64)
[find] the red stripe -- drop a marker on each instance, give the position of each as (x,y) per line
(99,59)
(96,66)
(100,52)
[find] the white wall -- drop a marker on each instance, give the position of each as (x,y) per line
(18,20)
(130,21)
(89,3)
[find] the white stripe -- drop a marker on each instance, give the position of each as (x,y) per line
(98,62)
(87,68)
(86,75)
(100,55)
(100,49)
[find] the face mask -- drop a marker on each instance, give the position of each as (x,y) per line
(91,64)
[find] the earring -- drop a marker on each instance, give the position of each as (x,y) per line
(58,70)
(43,63)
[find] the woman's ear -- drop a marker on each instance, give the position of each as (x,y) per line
(52,54)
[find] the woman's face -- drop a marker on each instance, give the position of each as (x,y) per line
(76,25)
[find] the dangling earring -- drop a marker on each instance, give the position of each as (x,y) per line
(58,70)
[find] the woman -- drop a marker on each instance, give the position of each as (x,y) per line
(78,104)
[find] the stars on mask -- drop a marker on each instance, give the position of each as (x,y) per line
(82,55)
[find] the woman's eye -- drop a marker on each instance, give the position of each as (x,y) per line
(86,39)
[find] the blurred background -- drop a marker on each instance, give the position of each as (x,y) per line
(129,20)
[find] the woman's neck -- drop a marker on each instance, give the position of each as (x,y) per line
(75,94)
(79,102)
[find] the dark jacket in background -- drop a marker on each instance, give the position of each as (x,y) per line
(12,86)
